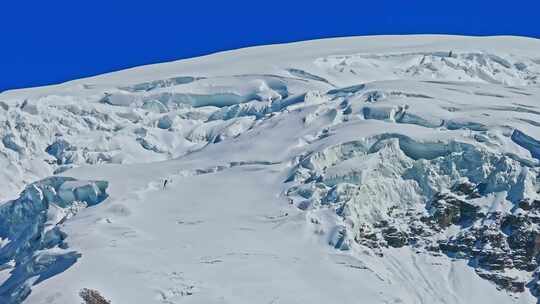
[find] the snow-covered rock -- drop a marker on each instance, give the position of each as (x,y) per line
(395,169)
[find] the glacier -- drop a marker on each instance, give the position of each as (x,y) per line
(34,247)
(383,169)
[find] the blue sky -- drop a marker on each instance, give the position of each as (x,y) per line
(45,42)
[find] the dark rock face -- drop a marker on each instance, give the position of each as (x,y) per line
(501,241)
(447,210)
(503,282)
(493,243)
(467,189)
(367,237)
(498,242)
(91,296)
(395,238)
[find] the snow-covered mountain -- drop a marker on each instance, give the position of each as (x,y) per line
(385,169)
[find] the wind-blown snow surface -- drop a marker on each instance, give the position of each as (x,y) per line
(354,170)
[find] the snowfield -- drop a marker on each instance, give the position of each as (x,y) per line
(384,169)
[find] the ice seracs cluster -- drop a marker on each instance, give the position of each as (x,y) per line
(33,247)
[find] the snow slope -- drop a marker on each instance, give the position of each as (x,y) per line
(385,169)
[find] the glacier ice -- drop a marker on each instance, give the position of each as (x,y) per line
(32,224)
(401,169)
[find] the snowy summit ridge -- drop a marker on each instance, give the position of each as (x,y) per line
(384,169)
